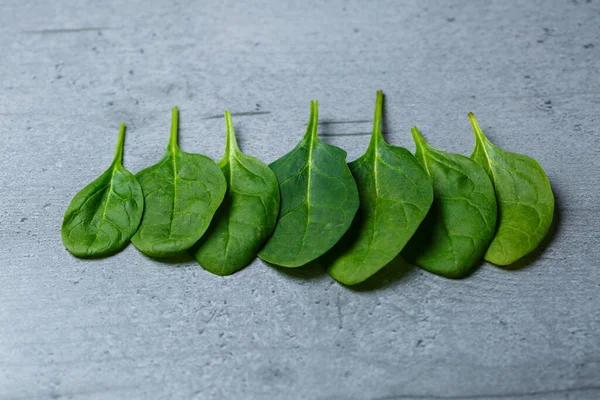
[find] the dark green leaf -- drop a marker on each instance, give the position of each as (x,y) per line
(319,199)
(462,218)
(395,194)
(525,199)
(103,217)
(182,193)
(246,218)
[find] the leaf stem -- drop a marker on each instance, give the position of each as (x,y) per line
(174,130)
(479,136)
(377,119)
(314,120)
(418,138)
(422,145)
(231,141)
(120,144)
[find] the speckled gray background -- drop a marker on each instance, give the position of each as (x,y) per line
(128,327)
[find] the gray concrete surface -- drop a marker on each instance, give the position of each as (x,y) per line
(128,327)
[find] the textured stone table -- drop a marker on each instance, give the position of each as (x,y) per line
(129,327)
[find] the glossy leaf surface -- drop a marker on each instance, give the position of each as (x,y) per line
(102,218)
(319,199)
(524,195)
(247,216)
(462,219)
(395,194)
(181,193)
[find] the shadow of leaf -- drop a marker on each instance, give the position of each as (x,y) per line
(99,257)
(313,270)
(395,271)
(178,259)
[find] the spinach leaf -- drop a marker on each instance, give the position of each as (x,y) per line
(319,199)
(247,216)
(182,193)
(395,194)
(525,199)
(462,219)
(102,218)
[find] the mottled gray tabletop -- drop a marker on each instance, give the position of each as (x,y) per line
(129,327)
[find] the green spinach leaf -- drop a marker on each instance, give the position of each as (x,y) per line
(181,193)
(247,216)
(395,194)
(462,219)
(319,199)
(102,218)
(525,199)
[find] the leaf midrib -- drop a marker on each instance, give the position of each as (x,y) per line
(487,156)
(376,160)
(103,215)
(311,144)
(174,164)
(231,158)
(377,197)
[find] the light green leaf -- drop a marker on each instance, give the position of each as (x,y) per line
(395,194)
(462,219)
(319,199)
(525,199)
(102,218)
(247,216)
(182,193)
